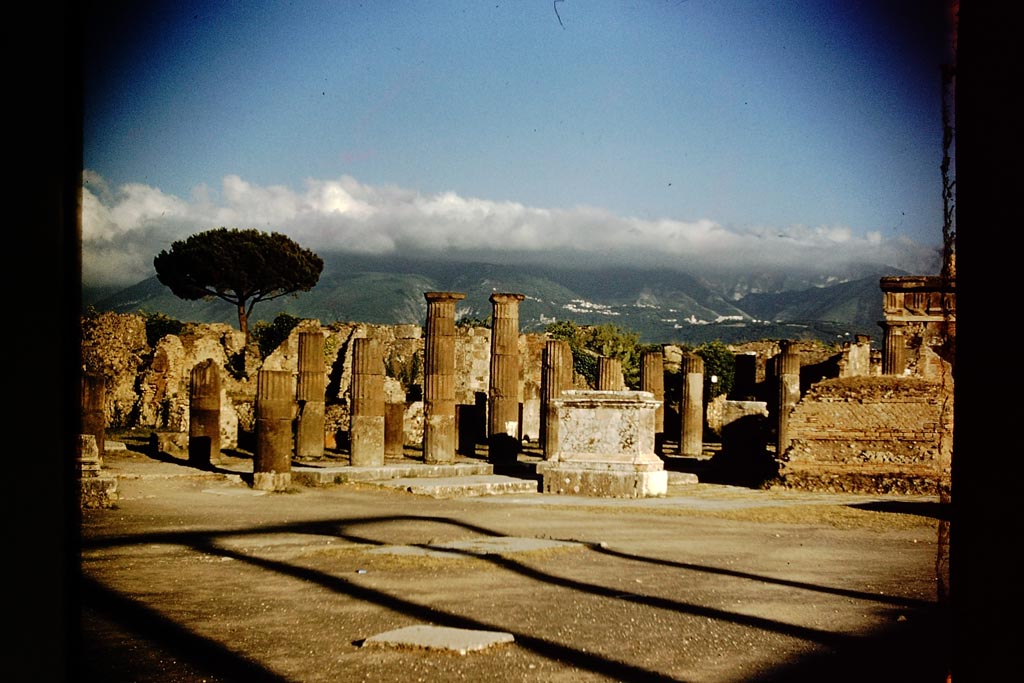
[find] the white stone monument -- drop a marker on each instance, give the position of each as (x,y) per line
(604,446)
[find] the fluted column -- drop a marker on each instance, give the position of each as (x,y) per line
(204,414)
(503,429)
(894,353)
(691,409)
(366,429)
(311,391)
(556,377)
(789,393)
(609,375)
(439,377)
(652,379)
(275,406)
(94,416)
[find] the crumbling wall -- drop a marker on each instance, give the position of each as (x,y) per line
(115,346)
(880,434)
(148,387)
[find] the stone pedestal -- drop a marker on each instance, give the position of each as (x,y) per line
(95,490)
(605,446)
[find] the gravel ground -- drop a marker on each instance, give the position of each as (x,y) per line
(193,576)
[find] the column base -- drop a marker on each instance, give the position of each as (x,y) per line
(605,480)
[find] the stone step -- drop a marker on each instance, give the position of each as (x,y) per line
(311,475)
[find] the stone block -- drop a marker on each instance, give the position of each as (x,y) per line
(604,446)
(609,480)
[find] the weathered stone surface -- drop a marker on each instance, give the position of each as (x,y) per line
(604,446)
(880,434)
(439,377)
(610,481)
(429,637)
(98,492)
(115,346)
(88,462)
(920,325)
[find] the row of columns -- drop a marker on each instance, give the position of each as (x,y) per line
(377,427)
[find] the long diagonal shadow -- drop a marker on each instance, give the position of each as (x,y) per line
(844,592)
(209,541)
(148,623)
(334,529)
(541,646)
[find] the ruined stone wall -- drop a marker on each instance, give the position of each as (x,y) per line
(162,400)
(116,347)
(148,387)
(472,363)
(869,434)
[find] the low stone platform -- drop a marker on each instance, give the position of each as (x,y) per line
(459,486)
(613,480)
(311,475)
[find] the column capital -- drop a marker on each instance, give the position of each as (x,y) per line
(444,296)
(506,298)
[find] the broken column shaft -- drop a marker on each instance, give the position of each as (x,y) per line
(311,392)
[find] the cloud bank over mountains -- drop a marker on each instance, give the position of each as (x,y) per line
(124,228)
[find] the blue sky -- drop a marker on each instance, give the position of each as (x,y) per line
(658,131)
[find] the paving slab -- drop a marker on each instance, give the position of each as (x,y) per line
(426,637)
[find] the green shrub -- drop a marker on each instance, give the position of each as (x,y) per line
(268,336)
(591,342)
(720,363)
(159,326)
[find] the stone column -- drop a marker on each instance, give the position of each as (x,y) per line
(894,353)
(204,414)
(394,430)
(94,415)
(789,393)
(609,375)
(691,409)
(366,430)
(275,407)
(439,378)
(556,377)
(503,432)
(652,379)
(311,391)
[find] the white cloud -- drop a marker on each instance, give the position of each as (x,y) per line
(123,230)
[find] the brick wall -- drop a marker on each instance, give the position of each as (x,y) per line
(868,434)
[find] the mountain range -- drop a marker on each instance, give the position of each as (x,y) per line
(660,305)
